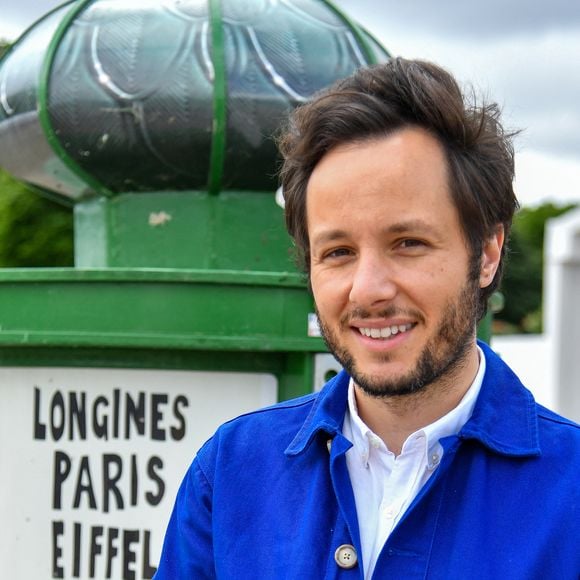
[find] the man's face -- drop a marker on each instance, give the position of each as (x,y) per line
(390,264)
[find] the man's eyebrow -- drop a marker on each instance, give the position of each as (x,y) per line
(328,236)
(404,227)
(416,225)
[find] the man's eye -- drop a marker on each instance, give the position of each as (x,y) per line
(338,253)
(412,243)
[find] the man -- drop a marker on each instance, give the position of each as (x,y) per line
(426,457)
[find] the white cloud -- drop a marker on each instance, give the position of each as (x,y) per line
(530,69)
(20,14)
(469,21)
(541,178)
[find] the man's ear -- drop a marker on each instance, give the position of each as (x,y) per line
(491,256)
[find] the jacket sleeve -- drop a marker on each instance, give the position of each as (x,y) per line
(188,548)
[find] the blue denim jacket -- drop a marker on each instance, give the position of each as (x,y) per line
(266,499)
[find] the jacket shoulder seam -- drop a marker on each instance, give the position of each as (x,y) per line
(198,466)
(547,415)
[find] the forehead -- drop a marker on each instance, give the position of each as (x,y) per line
(399,177)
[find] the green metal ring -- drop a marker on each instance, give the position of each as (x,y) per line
(356,30)
(43,116)
(218,143)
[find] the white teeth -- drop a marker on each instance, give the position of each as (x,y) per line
(385,332)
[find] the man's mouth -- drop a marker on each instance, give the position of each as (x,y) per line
(385,332)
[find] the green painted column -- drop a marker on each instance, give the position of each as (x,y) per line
(156,122)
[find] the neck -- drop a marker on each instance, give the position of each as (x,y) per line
(394,418)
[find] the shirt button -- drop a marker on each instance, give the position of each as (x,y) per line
(345,556)
(329,445)
(435,459)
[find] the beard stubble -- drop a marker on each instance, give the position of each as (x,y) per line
(445,352)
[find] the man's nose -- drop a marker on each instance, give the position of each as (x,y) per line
(372,281)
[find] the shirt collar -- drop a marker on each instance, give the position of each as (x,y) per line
(450,424)
(504,415)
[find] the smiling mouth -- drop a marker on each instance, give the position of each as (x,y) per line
(386,332)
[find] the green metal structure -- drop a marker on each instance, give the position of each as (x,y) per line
(155,120)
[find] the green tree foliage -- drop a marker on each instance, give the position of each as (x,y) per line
(523,278)
(34,232)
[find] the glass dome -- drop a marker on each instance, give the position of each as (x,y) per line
(105,97)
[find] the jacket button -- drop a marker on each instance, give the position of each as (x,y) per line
(345,556)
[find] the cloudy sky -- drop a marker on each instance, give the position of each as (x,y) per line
(523,54)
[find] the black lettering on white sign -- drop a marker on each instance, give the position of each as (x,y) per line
(105,482)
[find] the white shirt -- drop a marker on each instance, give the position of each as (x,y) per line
(385,485)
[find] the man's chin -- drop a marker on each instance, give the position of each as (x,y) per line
(383,388)
(386,378)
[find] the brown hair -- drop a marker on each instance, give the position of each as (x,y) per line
(382,99)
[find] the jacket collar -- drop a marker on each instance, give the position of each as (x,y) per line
(327,413)
(504,418)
